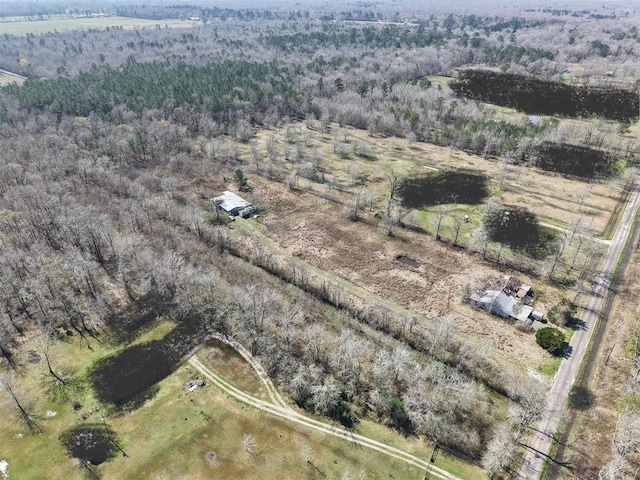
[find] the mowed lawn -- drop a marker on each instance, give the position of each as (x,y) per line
(24,27)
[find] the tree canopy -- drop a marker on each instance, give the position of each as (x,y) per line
(549,338)
(214,87)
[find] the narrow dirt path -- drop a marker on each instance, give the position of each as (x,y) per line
(288,413)
(262,374)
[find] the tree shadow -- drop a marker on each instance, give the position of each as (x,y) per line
(576,324)
(581,398)
(564,351)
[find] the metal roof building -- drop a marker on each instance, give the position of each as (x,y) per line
(501,304)
(231,203)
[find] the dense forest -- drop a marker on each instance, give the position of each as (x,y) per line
(113,145)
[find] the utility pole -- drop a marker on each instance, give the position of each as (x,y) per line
(106,429)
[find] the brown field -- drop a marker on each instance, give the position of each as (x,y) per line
(310,223)
(317,232)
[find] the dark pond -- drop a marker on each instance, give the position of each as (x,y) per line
(443,187)
(127,379)
(92,443)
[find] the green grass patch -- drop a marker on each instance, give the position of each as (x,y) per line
(427,219)
(178,434)
(631,402)
(550,367)
(7,78)
(227,363)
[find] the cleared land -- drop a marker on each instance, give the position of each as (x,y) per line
(309,222)
(25,27)
(7,77)
(554,198)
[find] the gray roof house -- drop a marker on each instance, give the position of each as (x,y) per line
(230,203)
(499,303)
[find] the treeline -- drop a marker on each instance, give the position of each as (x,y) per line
(543,97)
(395,36)
(212,88)
(389,36)
(187,12)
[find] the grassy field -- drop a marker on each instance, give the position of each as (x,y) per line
(23,27)
(7,78)
(191,435)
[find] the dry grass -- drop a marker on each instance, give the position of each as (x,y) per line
(364,256)
(554,198)
(7,78)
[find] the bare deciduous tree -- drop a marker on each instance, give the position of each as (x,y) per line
(353,206)
(25,415)
(440,212)
(249,444)
(500,450)
(626,438)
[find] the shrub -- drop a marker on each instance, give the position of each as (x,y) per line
(240,180)
(563,312)
(549,338)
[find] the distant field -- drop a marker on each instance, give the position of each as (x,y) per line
(7,78)
(68,24)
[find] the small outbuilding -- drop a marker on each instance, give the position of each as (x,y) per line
(538,316)
(232,204)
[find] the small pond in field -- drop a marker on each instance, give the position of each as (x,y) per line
(130,377)
(443,187)
(93,443)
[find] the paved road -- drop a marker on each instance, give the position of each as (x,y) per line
(280,409)
(540,442)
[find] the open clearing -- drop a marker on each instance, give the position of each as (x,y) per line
(7,77)
(37,27)
(361,254)
(310,223)
(552,197)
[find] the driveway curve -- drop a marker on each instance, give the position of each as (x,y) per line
(279,408)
